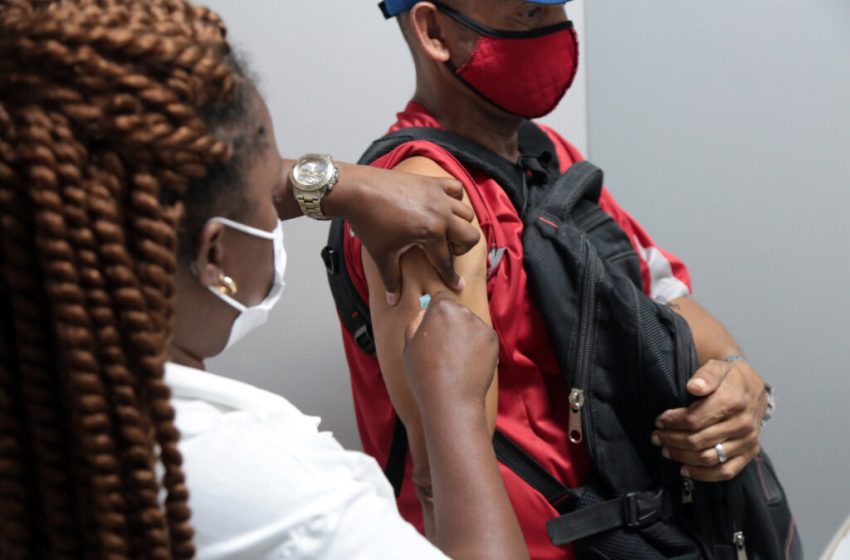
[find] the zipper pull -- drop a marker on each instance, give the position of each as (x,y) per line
(687,491)
(739,542)
(576,404)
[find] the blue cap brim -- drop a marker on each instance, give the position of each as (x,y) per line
(392,8)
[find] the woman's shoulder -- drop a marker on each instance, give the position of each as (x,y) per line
(260,473)
(225,393)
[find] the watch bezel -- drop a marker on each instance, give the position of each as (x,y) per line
(328,172)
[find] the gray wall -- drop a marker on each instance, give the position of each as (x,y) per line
(724,126)
(334,74)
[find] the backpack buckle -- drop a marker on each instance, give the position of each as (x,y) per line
(331,260)
(640,509)
(364,339)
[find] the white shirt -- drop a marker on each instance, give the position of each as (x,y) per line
(839,548)
(266,484)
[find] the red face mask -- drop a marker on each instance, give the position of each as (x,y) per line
(525,73)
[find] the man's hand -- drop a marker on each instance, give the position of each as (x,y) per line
(732,402)
(450,356)
(391,212)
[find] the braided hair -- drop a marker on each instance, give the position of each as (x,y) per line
(111,114)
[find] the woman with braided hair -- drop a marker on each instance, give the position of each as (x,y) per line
(141,194)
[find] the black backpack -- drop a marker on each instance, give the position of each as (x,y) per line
(625,359)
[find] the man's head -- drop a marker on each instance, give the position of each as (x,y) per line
(518,57)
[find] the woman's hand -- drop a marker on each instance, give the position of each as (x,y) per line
(450,356)
(392,212)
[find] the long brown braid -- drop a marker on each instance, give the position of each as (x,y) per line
(106,127)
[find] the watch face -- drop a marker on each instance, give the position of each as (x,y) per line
(312,174)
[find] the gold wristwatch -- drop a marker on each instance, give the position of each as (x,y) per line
(312,177)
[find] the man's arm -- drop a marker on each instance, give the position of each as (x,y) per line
(732,404)
(389,323)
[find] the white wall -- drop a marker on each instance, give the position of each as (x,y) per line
(724,126)
(334,74)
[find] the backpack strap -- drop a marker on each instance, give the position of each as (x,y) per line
(523,465)
(583,180)
(634,510)
(357,320)
(353,311)
(397,459)
(533,142)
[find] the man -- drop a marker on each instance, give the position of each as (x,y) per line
(483,67)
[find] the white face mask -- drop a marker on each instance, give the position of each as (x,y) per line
(250,318)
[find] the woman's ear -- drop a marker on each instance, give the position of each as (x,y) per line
(427,32)
(208,261)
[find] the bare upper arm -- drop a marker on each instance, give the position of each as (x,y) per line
(418,278)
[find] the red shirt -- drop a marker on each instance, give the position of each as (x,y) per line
(532,396)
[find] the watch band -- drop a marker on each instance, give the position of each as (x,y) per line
(311,205)
(771,404)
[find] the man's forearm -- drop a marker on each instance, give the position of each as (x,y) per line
(474,517)
(712,340)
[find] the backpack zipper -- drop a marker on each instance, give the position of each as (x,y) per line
(687,491)
(740,544)
(576,404)
(583,360)
(686,367)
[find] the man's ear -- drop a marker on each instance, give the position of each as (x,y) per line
(427,32)
(209,259)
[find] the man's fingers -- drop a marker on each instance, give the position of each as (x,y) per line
(390,271)
(713,409)
(708,378)
(709,457)
(443,262)
(735,428)
(452,187)
(676,419)
(727,471)
(698,416)
(462,236)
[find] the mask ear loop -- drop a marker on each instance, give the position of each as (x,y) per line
(257,232)
(227,286)
(232,302)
